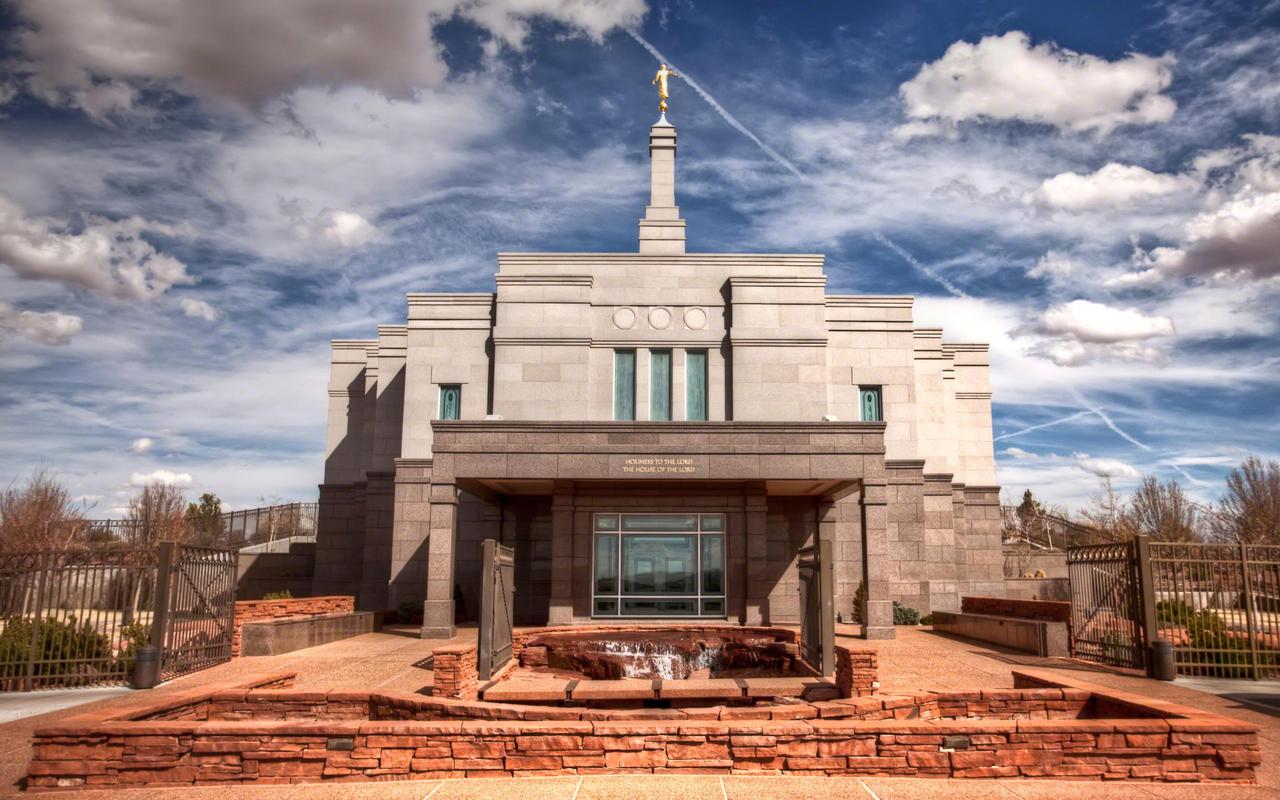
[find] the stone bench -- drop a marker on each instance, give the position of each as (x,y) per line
(1041,637)
(277,636)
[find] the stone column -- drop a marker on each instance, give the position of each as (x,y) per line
(758,588)
(437,610)
(561,610)
(379,521)
(940,544)
(877,615)
(411,521)
(907,572)
(847,569)
(983,572)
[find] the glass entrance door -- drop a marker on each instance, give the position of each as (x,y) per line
(658,565)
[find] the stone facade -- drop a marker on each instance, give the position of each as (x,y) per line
(906,495)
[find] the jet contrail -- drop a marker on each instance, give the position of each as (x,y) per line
(915,262)
(1076,415)
(1107,420)
(782,160)
(711,101)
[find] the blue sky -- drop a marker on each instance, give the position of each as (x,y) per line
(195,197)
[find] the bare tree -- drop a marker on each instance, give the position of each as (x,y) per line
(157,514)
(40,516)
(1110,514)
(1163,511)
(1249,513)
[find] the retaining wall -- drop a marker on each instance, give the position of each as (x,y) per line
(263,610)
(272,736)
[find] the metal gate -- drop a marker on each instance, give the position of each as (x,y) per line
(196,587)
(1106,604)
(817,607)
(497,594)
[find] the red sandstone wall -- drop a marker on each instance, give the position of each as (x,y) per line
(1043,610)
(856,672)
(455,673)
(260,610)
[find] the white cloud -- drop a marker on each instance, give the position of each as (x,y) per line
(1088,321)
(106,257)
(95,53)
(1054,266)
(198,308)
(1110,186)
(345,229)
(1242,236)
(42,327)
(1106,467)
(1082,332)
(141,479)
(142,445)
(1006,78)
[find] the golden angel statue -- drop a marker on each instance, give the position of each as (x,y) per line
(661,80)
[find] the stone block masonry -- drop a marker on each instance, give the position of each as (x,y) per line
(1044,610)
(292,608)
(1053,728)
(454,669)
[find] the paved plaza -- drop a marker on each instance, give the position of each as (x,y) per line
(394,660)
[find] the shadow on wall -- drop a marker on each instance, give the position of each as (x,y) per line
(258,574)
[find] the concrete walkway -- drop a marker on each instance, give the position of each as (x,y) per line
(917,659)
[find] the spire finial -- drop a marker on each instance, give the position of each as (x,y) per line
(661,80)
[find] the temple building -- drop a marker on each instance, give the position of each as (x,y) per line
(657,433)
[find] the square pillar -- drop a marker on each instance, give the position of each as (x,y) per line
(877,613)
(437,610)
(561,608)
(758,588)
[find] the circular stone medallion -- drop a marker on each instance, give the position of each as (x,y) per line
(695,319)
(624,318)
(659,318)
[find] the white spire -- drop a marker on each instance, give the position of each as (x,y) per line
(662,230)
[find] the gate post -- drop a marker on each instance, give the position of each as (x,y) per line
(160,603)
(1146,600)
(1251,623)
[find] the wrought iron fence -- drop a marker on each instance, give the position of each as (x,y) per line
(246,526)
(1219,604)
(77,618)
(266,524)
(73,618)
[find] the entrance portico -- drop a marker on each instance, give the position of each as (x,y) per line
(820,480)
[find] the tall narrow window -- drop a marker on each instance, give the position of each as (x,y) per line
(624,384)
(450,401)
(869,401)
(695,384)
(660,385)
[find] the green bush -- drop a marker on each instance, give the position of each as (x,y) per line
(1177,612)
(859,600)
(905,615)
(66,647)
(927,619)
(284,594)
(409,613)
